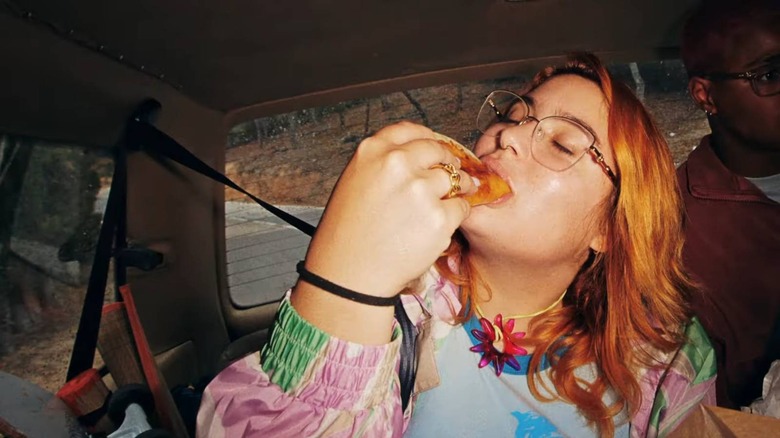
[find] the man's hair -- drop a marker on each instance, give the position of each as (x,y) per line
(713,29)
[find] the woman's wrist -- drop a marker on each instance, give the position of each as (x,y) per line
(343,292)
(341,317)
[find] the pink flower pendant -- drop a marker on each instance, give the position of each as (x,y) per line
(487,338)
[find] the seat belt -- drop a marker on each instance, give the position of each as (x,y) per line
(145,137)
(407,370)
(154,142)
(83,355)
(140,135)
(112,235)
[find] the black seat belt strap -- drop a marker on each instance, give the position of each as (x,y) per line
(83,355)
(143,136)
(408,366)
(154,141)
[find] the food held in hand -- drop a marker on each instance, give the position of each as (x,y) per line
(491,186)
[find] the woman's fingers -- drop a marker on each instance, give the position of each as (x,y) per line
(457,210)
(427,154)
(448,181)
(420,154)
(401,193)
(417,140)
(402,132)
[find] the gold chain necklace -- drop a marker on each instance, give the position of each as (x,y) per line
(522,316)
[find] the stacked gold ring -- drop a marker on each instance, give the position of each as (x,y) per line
(454,177)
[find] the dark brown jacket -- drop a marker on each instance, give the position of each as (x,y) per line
(733,249)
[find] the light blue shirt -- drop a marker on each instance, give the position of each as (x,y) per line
(770,185)
(474,402)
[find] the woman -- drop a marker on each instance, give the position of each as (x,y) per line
(559,309)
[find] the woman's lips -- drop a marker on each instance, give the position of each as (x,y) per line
(492,163)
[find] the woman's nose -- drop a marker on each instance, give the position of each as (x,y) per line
(517,139)
(486,144)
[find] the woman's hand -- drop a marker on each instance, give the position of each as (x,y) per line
(388,220)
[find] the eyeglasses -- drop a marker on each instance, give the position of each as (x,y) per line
(557,142)
(764,80)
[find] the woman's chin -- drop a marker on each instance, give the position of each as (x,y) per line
(484,218)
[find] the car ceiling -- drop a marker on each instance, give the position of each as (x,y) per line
(283,55)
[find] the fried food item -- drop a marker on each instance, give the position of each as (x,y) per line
(491,186)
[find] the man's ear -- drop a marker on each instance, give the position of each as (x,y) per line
(700,92)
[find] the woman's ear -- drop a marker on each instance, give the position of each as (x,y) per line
(599,243)
(700,92)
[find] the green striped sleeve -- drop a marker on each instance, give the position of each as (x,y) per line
(293,347)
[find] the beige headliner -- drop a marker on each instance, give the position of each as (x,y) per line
(248,59)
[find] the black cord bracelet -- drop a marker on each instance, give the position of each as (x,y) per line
(343,292)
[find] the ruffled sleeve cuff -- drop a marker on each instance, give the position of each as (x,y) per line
(325,371)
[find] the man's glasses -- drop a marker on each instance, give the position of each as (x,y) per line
(557,142)
(764,80)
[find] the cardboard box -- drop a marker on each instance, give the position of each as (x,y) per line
(712,421)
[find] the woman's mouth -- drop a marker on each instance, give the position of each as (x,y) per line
(495,166)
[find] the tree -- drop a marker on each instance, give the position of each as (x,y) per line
(15,153)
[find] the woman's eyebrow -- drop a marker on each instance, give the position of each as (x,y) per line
(581,122)
(531,103)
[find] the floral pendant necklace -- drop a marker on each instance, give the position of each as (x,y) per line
(500,332)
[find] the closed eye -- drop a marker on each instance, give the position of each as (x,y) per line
(505,119)
(561,148)
(516,112)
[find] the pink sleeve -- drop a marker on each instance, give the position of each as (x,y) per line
(306,383)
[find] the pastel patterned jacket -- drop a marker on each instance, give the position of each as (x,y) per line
(307,383)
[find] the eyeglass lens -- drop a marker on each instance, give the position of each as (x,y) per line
(501,107)
(766,81)
(557,143)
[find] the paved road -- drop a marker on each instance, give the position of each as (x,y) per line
(262,251)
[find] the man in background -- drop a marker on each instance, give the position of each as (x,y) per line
(731,187)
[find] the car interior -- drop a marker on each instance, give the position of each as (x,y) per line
(229,81)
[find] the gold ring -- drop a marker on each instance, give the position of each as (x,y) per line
(454,177)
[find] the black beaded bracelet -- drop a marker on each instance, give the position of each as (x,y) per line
(343,292)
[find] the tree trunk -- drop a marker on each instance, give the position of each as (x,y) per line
(15,154)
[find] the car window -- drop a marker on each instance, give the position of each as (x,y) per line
(293,160)
(52,199)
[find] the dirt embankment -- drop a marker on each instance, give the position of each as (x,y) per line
(296,159)
(42,355)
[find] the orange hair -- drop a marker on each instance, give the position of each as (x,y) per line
(639,273)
